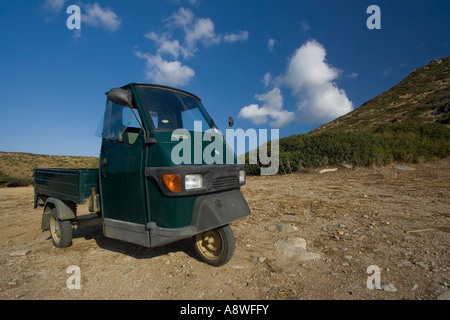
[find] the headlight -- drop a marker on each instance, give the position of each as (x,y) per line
(193,181)
(241,176)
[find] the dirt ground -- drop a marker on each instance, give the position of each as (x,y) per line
(311,235)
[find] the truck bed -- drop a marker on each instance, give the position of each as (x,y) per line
(65,184)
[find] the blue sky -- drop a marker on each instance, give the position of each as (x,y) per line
(288,65)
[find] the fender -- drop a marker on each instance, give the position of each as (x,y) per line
(210,211)
(214,210)
(65,210)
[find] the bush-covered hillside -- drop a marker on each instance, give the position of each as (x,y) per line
(408,123)
(400,142)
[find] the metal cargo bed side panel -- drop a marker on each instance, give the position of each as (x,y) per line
(88,180)
(66,184)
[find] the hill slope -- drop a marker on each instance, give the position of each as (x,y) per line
(424,95)
(408,123)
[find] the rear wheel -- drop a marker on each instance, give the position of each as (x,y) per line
(60,230)
(215,246)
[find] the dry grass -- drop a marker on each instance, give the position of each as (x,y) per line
(16,169)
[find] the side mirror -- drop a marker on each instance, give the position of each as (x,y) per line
(119,96)
(230,122)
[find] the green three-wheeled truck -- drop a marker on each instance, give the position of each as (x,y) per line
(156,182)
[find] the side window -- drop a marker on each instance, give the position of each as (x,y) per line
(129,120)
(120,124)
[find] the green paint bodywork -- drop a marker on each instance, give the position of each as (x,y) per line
(126,194)
(65,184)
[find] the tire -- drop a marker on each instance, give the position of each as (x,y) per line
(60,230)
(215,246)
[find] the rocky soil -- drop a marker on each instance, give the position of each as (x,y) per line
(311,235)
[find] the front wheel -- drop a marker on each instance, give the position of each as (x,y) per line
(215,246)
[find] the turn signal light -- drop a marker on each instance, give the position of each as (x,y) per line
(172,181)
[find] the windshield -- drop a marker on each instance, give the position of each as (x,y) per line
(171,110)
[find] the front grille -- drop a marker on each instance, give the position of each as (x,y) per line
(224,182)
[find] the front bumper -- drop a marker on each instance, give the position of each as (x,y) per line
(210,211)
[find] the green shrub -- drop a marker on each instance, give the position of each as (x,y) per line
(8,181)
(409,142)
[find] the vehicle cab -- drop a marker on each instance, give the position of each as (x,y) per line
(166,172)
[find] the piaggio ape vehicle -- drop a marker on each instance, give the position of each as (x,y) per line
(156,183)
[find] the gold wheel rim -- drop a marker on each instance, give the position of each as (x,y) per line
(210,244)
(54,229)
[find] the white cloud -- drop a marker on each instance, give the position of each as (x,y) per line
(272,108)
(307,68)
(305,26)
(271,44)
(324,105)
(54,5)
(166,45)
(91,14)
(386,72)
(267,79)
(311,81)
(200,31)
(77,33)
(101,17)
(235,37)
(253,113)
(194,3)
(195,32)
(165,72)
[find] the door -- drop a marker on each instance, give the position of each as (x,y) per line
(122,179)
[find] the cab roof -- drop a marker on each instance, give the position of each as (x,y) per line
(161,87)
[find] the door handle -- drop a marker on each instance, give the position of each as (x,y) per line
(102,167)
